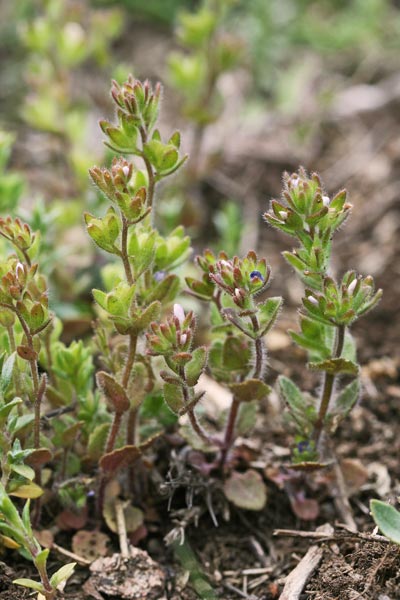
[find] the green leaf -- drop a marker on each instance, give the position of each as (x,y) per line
(30,490)
(7,408)
(195,367)
(97,440)
(294,399)
(173,396)
(236,354)
(30,583)
(62,574)
(26,518)
(8,509)
(247,417)
(348,397)
(6,372)
(24,471)
(41,559)
(190,564)
(249,390)
(313,346)
(387,518)
(151,313)
(268,312)
(165,291)
(335,366)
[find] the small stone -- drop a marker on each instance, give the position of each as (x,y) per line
(132,578)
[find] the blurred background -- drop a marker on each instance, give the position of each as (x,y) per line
(256,87)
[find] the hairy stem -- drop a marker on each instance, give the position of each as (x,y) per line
(201,432)
(328,386)
(124,250)
(116,424)
(259,350)
(230,430)
(150,175)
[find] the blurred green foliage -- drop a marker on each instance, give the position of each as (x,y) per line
(159,10)
(343,33)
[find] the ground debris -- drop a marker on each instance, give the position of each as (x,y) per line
(137,577)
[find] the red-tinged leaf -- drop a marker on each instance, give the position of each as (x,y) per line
(117,459)
(246,490)
(68,519)
(113,391)
(39,457)
(27,353)
(305,508)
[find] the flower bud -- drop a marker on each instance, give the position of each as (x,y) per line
(179,313)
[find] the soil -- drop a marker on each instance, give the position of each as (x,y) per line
(242,557)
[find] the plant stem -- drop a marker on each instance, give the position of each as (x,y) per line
(17,373)
(150,175)
(201,432)
(124,250)
(259,349)
(130,360)
(230,429)
(116,424)
(328,385)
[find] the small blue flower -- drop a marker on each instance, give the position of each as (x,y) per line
(160,275)
(303,446)
(256,275)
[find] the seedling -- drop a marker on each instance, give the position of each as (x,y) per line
(387,518)
(17,532)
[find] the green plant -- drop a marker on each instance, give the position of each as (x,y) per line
(87,420)
(387,518)
(209,52)
(18,528)
(62,37)
(329,308)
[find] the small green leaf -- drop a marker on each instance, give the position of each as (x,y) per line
(236,354)
(26,517)
(165,291)
(97,440)
(348,397)
(247,417)
(335,366)
(249,390)
(6,372)
(387,518)
(24,471)
(41,559)
(268,312)
(191,565)
(151,313)
(7,408)
(30,583)
(294,399)
(195,367)
(62,574)
(173,396)
(30,490)
(8,509)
